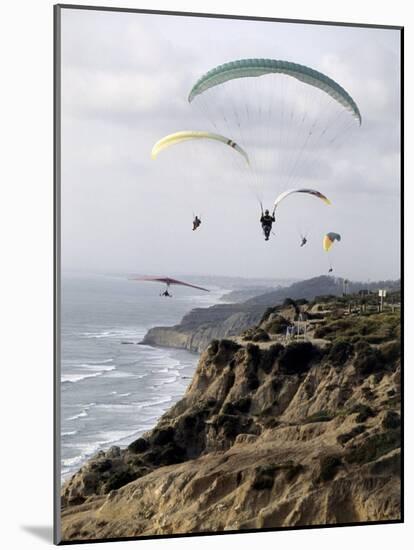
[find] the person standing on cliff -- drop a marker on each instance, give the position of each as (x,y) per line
(267,221)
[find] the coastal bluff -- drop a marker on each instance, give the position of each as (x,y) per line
(201,325)
(270,433)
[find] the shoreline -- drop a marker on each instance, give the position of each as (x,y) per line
(158,407)
(177,366)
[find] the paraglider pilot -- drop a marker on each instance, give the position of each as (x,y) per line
(267,220)
(304,241)
(196,223)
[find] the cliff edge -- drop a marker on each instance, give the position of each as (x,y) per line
(201,325)
(270,433)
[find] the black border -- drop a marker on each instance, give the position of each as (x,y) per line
(56,278)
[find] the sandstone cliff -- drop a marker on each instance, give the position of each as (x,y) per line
(269,434)
(201,325)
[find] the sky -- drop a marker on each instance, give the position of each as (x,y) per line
(125,83)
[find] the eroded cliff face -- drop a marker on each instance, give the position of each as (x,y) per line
(267,435)
(202,325)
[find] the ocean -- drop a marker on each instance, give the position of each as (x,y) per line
(112,389)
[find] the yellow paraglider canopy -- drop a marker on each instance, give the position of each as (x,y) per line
(186,135)
(329,239)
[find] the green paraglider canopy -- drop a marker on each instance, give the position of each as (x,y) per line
(243,68)
(289,117)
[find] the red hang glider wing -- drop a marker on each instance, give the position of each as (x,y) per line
(168,281)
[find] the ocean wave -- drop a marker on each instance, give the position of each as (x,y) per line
(71,461)
(109,360)
(83,413)
(116,334)
(72,378)
(165,381)
(78,376)
(114,436)
(97,366)
(145,404)
(88,449)
(81,362)
(119,374)
(116,406)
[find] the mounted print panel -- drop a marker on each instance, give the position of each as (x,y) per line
(228,274)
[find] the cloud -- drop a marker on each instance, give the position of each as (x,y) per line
(125,84)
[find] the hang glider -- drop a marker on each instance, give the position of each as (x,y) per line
(168,281)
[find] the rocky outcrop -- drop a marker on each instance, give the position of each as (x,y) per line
(202,325)
(268,434)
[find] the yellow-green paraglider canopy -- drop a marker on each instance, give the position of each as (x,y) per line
(186,135)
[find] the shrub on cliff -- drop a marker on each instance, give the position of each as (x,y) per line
(374,447)
(269,356)
(241,405)
(277,325)
(172,454)
(231,425)
(368,359)
(253,353)
(320,416)
(296,357)
(265,475)
(222,351)
(391,353)
(192,424)
(392,420)
(364,412)
(101,466)
(340,351)
(269,311)
(329,466)
(260,335)
(138,446)
(162,436)
(374,328)
(344,438)
(118,480)
(213,347)
(264,478)
(252,381)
